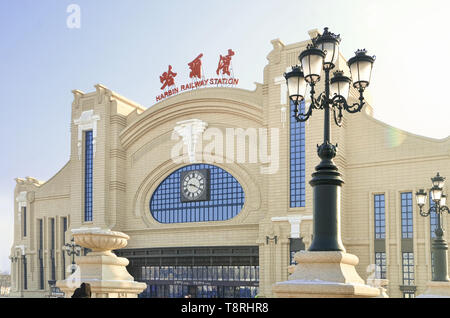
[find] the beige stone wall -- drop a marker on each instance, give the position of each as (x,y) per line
(43,201)
(133,156)
(390,161)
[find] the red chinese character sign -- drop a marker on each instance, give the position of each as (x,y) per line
(168,78)
(196,67)
(198,80)
(224,63)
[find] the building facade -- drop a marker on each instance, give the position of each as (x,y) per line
(209,213)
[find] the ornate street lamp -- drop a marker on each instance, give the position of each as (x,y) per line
(323,54)
(72,249)
(439,245)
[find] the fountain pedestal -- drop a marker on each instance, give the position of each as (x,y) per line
(102,269)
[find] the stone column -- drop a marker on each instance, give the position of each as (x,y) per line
(102,269)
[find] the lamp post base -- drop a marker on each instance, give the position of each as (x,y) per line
(329,274)
(436,289)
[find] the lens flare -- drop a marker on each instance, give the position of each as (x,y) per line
(394,137)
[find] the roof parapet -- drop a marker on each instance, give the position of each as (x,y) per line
(28,181)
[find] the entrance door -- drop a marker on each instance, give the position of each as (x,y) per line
(204,272)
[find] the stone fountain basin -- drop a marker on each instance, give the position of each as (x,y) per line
(99,240)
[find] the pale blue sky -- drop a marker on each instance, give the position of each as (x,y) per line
(126,45)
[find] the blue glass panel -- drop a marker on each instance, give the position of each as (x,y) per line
(407,216)
(88,163)
(297,159)
(226,198)
(379,216)
(433,219)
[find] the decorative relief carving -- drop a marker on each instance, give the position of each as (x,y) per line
(31,196)
(87,121)
(102,92)
(295,222)
(22,249)
(20,181)
(32,181)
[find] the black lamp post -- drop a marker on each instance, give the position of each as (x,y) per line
(72,249)
(439,245)
(322,54)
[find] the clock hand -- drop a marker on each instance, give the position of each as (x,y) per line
(193,185)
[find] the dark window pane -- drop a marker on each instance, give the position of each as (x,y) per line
(407,228)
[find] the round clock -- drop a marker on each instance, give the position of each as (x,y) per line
(193,185)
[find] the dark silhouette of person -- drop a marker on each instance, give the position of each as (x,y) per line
(84,291)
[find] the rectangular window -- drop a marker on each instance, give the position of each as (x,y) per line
(407,215)
(41,235)
(379,209)
(40,254)
(63,259)
(88,166)
(433,227)
(52,247)
(25,274)
(24,216)
(297,159)
(408,268)
(433,219)
(432,264)
(380,265)
(409,295)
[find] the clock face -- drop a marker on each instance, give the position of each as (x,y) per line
(194,185)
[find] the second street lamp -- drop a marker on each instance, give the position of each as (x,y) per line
(323,54)
(72,249)
(440,246)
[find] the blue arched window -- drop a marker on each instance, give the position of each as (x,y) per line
(226,198)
